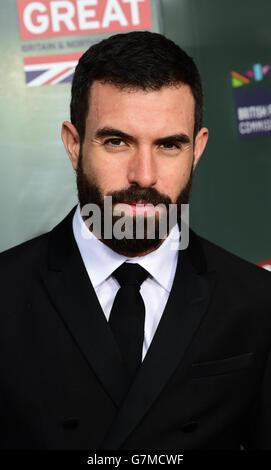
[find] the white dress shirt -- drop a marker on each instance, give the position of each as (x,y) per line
(100,261)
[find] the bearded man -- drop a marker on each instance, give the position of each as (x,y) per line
(113,336)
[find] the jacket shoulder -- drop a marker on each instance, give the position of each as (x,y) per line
(24,253)
(33,253)
(222,260)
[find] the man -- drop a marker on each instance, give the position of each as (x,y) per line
(111,342)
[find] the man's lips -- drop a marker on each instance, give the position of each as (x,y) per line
(140,202)
(137,207)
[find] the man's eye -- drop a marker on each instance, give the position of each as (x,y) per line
(170,145)
(114,141)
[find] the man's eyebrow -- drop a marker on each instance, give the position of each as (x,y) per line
(178,138)
(111,131)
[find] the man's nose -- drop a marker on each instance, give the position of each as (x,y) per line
(142,168)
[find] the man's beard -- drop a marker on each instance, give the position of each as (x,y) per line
(90,193)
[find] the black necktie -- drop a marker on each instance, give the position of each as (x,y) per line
(127,316)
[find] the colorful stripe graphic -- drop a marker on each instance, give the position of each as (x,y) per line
(257,73)
(50,70)
(238,79)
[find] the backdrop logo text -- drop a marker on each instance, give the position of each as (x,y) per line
(49,18)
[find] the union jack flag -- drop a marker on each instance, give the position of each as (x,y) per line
(50,70)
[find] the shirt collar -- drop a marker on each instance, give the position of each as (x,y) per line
(100,260)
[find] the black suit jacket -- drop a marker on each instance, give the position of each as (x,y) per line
(205,382)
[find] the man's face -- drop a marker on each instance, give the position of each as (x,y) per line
(138,147)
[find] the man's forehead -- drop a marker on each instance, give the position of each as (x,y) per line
(102,88)
(108,99)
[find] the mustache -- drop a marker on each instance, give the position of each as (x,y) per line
(138,195)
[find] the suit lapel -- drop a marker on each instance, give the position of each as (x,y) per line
(187,303)
(70,290)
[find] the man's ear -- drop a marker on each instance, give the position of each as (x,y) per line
(200,144)
(71,141)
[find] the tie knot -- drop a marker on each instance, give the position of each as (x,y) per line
(130,274)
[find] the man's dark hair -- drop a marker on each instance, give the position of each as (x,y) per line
(137,60)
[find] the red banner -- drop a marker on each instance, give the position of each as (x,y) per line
(265,264)
(48,18)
